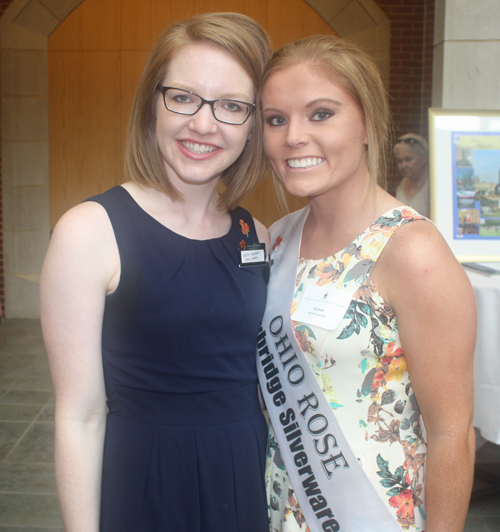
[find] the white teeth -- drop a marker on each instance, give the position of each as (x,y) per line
(198,148)
(305,163)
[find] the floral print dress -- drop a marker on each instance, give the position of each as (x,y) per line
(363,373)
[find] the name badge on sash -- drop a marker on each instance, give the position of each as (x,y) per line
(252,255)
(322,307)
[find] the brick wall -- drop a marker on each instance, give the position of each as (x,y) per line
(3,6)
(410,86)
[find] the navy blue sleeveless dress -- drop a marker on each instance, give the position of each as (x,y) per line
(185,436)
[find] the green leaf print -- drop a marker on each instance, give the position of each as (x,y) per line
(358,319)
(405,424)
(422,512)
(351,311)
(362,320)
(348,331)
(305,328)
(363,307)
(384,221)
(389,480)
(299,289)
(399,474)
(383,465)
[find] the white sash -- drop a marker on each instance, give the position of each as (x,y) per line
(333,491)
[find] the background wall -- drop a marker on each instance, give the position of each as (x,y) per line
(359,19)
(467,55)
(3,6)
(410,75)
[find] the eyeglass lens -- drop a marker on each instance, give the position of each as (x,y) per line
(186,103)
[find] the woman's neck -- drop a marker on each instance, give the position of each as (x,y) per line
(195,216)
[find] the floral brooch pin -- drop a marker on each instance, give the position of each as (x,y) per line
(245,229)
(276,245)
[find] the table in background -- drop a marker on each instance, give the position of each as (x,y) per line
(487,359)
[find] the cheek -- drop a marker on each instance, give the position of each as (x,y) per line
(237,140)
(165,124)
(244,136)
(421,165)
(414,165)
(270,144)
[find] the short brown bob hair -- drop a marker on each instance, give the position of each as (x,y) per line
(352,68)
(249,44)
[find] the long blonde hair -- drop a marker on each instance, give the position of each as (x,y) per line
(249,44)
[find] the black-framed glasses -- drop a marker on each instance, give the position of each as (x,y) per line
(185,102)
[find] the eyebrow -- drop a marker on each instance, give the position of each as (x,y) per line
(318,100)
(239,96)
(310,104)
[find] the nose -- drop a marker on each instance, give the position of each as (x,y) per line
(296,134)
(203,121)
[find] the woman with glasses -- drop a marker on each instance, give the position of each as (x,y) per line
(365,354)
(412,158)
(152,295)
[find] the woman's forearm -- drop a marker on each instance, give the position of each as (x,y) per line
(78,464)
(448,481)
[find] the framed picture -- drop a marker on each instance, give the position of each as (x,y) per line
(464,161)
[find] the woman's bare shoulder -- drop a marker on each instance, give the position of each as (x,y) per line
(83,246)
(416,263)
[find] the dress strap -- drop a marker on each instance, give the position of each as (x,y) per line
(359,258)
(379,233)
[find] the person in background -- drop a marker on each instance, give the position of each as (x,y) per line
(148,300)
(411,153)
(366,349)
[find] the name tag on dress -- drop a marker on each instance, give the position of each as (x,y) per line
(253,255)
(323,307)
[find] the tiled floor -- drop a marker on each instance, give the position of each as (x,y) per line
(28,501)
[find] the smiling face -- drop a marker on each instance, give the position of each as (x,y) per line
(314,132)
(409,163)
(196,149)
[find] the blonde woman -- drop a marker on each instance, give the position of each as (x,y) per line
(365,354)
(411,153)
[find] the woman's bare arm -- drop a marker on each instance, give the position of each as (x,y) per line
(435,307)
(80,268)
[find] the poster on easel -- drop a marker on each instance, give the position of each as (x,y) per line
(465,181)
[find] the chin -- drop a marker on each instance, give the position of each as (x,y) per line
(295,189)
(298,193)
